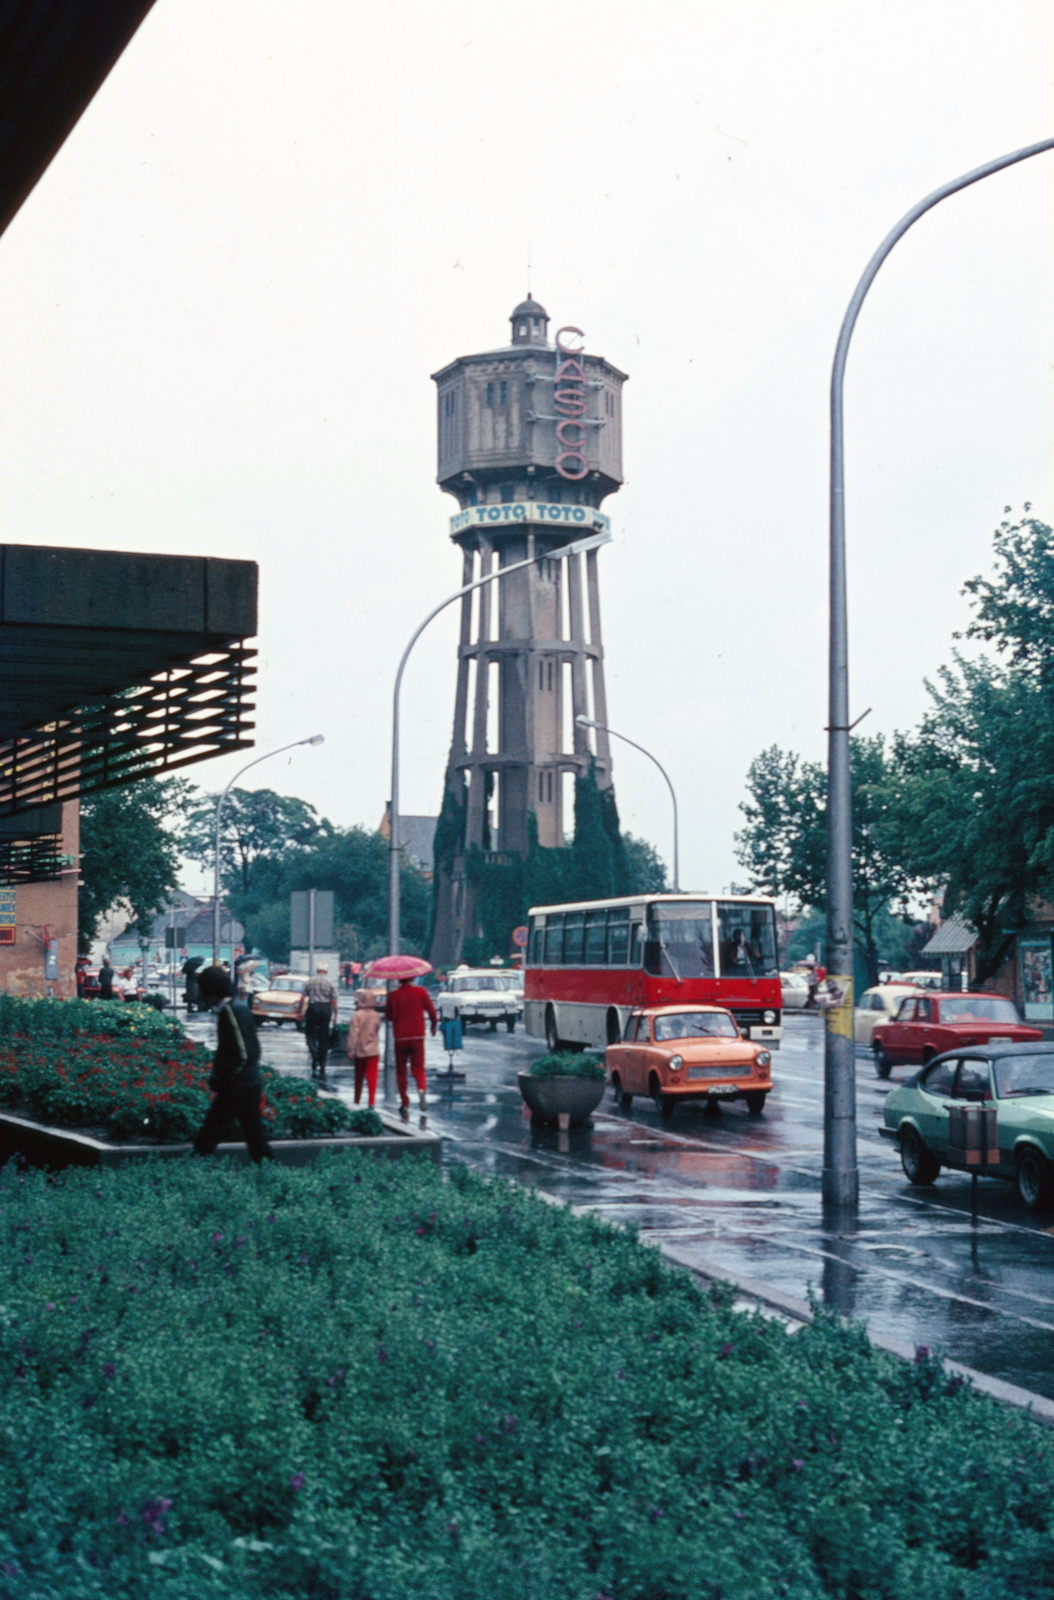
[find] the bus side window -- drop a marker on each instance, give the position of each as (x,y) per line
(596,938)
(537,945)
(618,937)
(554,940)
(636,954)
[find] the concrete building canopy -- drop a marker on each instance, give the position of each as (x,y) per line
(54,54)
(115,666)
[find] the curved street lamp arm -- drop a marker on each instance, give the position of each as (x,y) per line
(840,1180)
(221,802)
(588,722)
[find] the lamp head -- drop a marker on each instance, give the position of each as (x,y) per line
(317,738)
(584,721)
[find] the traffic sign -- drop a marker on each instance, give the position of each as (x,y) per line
(519,937)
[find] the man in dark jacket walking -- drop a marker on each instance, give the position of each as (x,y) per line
(236,1078)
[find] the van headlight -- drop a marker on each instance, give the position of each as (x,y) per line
(763,1059)
(768,1017)
(676,1063)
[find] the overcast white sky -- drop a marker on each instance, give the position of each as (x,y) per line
(220,309)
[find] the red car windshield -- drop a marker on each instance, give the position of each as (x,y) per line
(978,1008)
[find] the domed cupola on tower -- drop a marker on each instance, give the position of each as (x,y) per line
(529,323)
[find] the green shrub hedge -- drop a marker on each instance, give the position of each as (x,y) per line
(149,1086)
(360,1382)
(61,1019)
(568,1064)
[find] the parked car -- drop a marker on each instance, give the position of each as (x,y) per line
(280,1002)
(679,1053)
(922,979)
(927,1025)
(1013,1081)
(482,996)
(879,1004)
(794,987)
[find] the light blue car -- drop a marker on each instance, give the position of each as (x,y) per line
(930,1117)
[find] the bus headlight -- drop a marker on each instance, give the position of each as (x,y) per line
(768,1017)
(762,1060)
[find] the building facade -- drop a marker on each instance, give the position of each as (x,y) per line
(530,446)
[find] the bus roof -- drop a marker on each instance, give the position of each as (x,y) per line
(651,899)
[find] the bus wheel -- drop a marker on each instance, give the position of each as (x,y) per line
(614,1031)
(552,1038)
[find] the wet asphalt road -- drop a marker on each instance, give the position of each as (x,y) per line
(741,1194)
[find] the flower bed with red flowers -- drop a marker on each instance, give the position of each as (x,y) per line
(148,1089)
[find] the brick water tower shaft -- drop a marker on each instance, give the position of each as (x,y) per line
(530,444)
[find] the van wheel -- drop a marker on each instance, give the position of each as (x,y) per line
(664,1103)
(1033,1179)
(756,1104)
(623,1100)
(493,1024)
(552,1038)
(920,1165)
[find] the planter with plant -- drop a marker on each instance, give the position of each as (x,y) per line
(568,1083)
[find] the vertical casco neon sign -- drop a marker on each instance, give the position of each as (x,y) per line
(570,403)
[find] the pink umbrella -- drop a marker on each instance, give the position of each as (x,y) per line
(398,967)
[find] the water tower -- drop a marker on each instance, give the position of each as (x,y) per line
(530,444)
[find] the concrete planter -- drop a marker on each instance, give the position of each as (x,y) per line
(554,1098)
(43,1146)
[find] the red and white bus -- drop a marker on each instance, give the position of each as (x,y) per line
(589,964)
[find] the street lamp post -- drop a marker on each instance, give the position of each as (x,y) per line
(840,1177)
(593,541)
(587,722)
(316,738)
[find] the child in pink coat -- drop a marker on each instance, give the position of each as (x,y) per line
(362,1044)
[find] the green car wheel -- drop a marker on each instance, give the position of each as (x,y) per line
(920,1164)
(1033,1179)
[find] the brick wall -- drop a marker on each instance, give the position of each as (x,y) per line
(46,905)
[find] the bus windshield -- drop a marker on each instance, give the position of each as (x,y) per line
(680,942)
(748,940)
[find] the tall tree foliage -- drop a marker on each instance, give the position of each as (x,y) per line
(257,825)
(784,844)
(129,853)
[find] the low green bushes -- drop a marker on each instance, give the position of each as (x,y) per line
(63,1019)
(568,1064)
(149,1086)
(360,1382)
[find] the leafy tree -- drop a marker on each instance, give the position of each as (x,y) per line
(784,845)
(353,862)
(256,824)
(1015,609)
(645,869)
(128,852)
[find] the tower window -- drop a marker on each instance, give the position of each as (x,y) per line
(549,776)
(523,330)
(504,392)
(541,682)
(541,785)
(550,685)
(508,493)
(490,394)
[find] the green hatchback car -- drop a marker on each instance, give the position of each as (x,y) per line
(988,1109)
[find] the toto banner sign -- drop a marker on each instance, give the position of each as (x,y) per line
(570,402)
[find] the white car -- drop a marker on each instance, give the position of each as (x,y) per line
(878,1005)
(483,996)
(795,990)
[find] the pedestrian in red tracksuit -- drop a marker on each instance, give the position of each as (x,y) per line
(405,1010)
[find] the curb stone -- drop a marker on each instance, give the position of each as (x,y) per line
(762,1295)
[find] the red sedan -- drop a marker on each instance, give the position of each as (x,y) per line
(927,1025)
